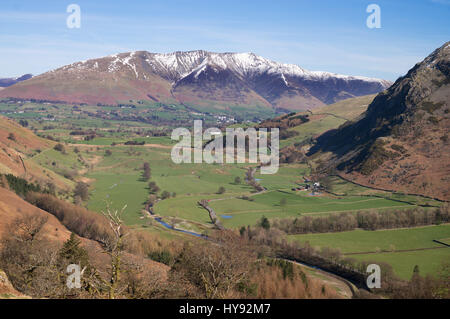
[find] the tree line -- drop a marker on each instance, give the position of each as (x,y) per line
(368,220)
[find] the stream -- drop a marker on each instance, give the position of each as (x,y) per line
(159,220)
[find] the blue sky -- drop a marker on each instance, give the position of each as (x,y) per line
(326,35)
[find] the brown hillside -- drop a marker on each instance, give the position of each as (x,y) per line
(17,147)
(13,207)
(401,143)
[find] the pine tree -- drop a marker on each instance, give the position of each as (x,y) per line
(72,253)
(265,223)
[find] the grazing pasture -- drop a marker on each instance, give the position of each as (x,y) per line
(402,248)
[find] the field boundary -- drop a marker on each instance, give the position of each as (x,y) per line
(396,251)
(441,243)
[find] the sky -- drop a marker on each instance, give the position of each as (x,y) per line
(322,35)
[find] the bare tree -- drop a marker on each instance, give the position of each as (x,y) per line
(216,269)
(114,248)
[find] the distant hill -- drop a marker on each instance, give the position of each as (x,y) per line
(200,79)
(5,82)
(297,130)
(401,143)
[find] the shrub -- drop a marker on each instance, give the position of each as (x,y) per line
(162,256)
(165,195)
(82,190)
(60,148)
(12,137)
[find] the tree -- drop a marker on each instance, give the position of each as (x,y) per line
(51,188)
(442,291)
(77,200)
(265,223)
(216,271)
(82,190)
(24,123)
(12,137)
(60,148)
(416,270)
(221,190)
(146,175)
(153,188)
(237,180)
(108,153)
(27,258)
(165,195)
(72,253)
(114,249)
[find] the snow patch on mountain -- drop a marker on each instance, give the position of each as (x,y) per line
(179,65)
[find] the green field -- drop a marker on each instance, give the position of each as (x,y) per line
(118,178)
(429,261)
(268,204)
(386,245)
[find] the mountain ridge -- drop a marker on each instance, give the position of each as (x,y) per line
(197,78)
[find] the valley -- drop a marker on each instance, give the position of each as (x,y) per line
(95,152)
(359,181)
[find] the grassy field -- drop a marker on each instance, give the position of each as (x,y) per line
(297,204)
(429,261)
(387,245)
(117,178)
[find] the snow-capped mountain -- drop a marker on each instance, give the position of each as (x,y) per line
(197,78)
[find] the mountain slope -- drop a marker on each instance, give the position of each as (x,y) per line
(195,78)
(401,142)
(18,145)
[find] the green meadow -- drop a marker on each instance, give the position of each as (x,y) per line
(402,248)
(429,261)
